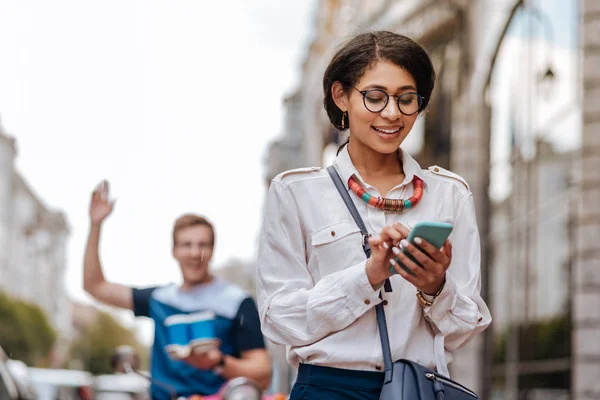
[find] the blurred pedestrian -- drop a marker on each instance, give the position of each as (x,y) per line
(210,306)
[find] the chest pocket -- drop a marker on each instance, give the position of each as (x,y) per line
(337,247)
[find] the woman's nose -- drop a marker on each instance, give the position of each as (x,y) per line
(391,110)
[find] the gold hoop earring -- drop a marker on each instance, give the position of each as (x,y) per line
(343,115)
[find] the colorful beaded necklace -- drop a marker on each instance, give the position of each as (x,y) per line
(393,205)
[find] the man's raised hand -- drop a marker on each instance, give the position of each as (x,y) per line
(100,205)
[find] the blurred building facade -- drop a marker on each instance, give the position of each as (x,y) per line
(586,260)
(464,39)
(550,180)
(530,269)
(32,247)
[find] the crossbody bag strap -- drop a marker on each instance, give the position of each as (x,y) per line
(339,185)
(385,342)
(381,323)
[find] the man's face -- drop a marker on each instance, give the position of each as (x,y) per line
(193,250)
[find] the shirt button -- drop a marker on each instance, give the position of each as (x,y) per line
(367,302)
(385,302)
(436,169)
(332,233)
(378,367)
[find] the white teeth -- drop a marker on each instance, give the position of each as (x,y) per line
(387,130)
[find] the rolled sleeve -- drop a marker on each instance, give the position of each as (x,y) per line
(360,293)
(293,309)
(459,312)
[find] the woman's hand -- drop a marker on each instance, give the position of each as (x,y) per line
(378,265)
(431,274)
(388,245)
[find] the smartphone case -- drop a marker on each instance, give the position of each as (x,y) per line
(435,233)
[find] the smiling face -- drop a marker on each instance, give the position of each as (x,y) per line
(382,132)
(193,248)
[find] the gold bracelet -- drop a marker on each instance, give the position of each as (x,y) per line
(427,303)
(424,302)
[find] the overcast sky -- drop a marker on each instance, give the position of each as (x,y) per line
(173,102)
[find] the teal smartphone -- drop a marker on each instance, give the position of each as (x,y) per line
(435,233)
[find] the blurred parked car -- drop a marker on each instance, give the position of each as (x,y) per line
(20,375)
(121,387)
(13,379)
(8,389)
(61,384)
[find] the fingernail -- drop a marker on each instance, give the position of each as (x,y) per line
(404,243)
(396,250)
(392,262)
(418,240)
(385,245)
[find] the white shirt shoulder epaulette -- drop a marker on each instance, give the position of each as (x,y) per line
(444,174)
(297,174)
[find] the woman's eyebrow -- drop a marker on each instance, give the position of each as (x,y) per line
(400,89)
(407,87)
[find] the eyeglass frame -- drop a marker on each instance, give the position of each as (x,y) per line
(364,95)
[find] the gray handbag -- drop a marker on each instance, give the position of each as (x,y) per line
(404,379)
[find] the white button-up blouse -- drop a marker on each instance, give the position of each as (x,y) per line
(313,292)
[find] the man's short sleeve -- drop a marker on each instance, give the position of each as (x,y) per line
(247,333)
(141,301)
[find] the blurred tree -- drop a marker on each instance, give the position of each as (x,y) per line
(25,332)
(93,348)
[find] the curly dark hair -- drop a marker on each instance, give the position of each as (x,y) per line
(361,52)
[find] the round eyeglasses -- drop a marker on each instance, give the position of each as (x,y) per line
(375,100)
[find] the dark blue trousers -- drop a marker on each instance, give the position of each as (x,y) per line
(316,383)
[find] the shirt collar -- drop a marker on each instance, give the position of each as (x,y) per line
(343,164)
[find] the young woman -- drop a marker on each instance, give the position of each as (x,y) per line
(316,289)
